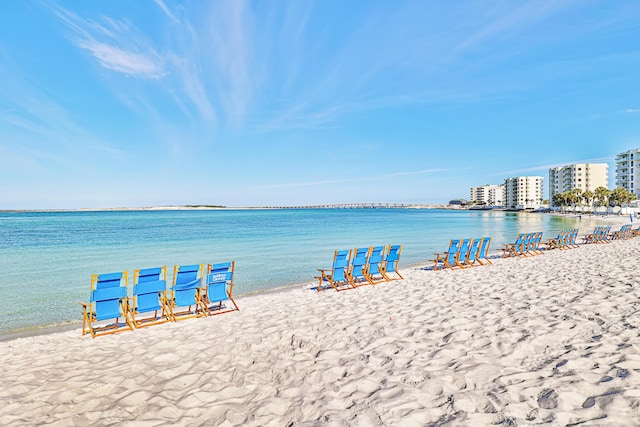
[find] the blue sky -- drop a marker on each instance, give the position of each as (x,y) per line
(108,104)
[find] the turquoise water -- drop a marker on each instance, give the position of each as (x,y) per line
(47,258)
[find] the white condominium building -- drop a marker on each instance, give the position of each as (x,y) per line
(523,192)
(628,171)
(490,195)
(584,176)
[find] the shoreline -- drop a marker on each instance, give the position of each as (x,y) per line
(494,252)
(544,339)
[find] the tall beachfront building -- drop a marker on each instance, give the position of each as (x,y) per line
(490,195)
(523,192)
(627,173)
(584,176)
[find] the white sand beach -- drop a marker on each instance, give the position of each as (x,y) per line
(552,339)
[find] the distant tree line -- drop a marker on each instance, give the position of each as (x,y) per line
(600,197)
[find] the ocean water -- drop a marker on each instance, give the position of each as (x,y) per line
(47,258)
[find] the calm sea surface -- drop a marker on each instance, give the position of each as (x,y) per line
(47,258)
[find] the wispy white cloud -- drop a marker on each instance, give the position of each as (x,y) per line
(115,44)
(356,77)
(162,5)
(227,40)
(632,110)
(127,62)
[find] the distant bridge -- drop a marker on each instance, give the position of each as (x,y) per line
(350,206)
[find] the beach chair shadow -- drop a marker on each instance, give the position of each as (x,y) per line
(389,268)
(218,288)
(149,297)
(337,277)
(184,299)
(108,302)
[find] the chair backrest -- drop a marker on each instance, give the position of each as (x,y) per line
(220,281)
(464,250)
(186,282)
(148,285)
(568,239)
(341,261)
(528,242)
(107,291)
(359,261)
(453,252)
(186,274)
(536,240)
(392,259)
(108,280)
(484,247)
(375,258)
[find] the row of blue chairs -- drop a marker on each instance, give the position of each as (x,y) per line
(193,293)
(463,253)
(566,239)
(361,266)
(526,244)
(599,235)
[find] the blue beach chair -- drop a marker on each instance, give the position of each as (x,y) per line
(186,292)
(557,242)
(447,259)
(570,240)
(108,302)
(514,249)
(526,246)
(358,269)
(390,267)
(337,277)
(463,254)
(483,251)
(535,243)
(219,288)
(623,233)
(472,254)
(149,306)
(372,269)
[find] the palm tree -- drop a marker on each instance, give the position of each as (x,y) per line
(576,197)
(562,199)
(620,196)
(602,195)
(588,197)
